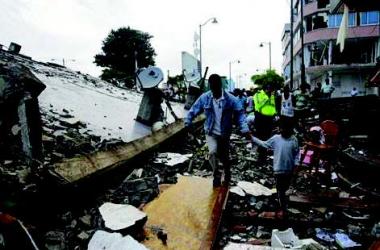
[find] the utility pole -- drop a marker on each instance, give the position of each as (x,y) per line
(303,80)
(200,50)
(270,56)
(291,43)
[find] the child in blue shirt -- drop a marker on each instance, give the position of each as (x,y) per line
(285,158)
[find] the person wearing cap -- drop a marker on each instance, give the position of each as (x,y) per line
(220,107)
(265,111)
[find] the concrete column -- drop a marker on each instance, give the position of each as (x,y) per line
(23,121)
(31,127)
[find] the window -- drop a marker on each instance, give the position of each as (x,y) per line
(335,20)
(352,19)
(369,18)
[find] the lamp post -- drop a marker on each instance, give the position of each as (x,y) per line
(231,62)
(239,79)
(213,19)
(270,52)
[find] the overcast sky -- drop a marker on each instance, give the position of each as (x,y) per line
(74,30)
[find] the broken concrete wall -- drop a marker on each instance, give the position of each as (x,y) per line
(20,121)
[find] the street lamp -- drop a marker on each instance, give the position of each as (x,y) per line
(239,81)
(270,52)
(213,19)
(231,62)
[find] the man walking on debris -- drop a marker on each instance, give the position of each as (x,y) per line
(285,158)
(219,107)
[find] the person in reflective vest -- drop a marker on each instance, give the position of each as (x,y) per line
(265,111)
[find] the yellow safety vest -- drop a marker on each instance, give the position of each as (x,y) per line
(263,104)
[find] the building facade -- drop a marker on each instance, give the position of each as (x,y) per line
(322,56)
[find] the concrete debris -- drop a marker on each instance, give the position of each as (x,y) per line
(118,216)
(138,191)
(376,230)
(113,241)
(172,159)
(86,220)
(237,190)
(344,241)
(255,189)
(55,240)
(83,236)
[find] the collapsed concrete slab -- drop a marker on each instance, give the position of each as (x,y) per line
(84,166)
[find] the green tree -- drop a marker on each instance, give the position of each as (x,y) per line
(270,76)
(120,51)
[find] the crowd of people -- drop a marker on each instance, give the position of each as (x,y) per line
(256,112)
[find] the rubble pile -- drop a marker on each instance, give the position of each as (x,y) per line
(326,209)
(64,136)
(250,216)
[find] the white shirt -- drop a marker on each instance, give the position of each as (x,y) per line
(218,110)
(287,108)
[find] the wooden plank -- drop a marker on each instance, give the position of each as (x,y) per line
(83,166)
(208,241)
(189,212)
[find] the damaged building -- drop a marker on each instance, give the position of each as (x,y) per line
(323,59)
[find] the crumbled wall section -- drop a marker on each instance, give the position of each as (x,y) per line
(20,117)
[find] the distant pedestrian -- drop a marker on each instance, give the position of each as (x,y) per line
(317,91)
(285,158)
(303,104)
(219,108)
(354,92)
(327,89)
